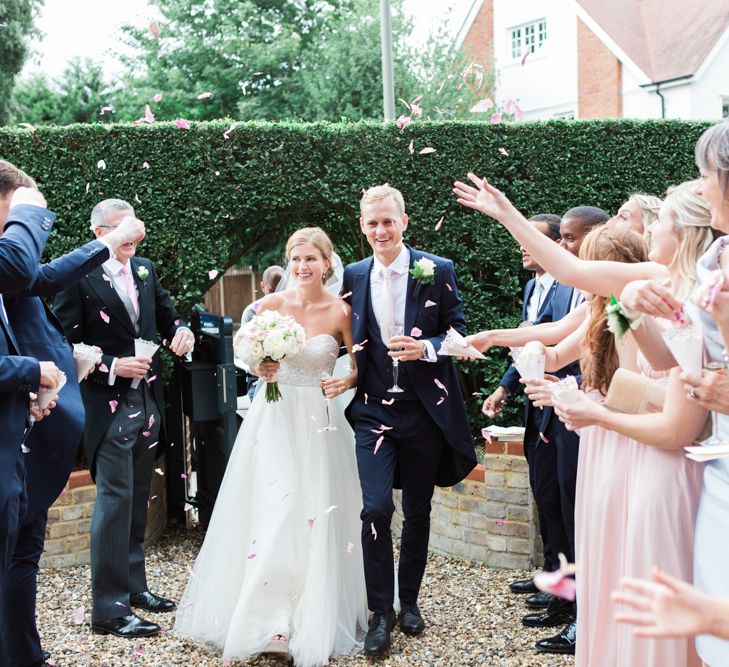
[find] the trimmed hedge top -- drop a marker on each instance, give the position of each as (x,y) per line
(207,199)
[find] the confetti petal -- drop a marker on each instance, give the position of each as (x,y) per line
(113,405)
(182,124)
(430,304)
(157,97)
(402,122)
(148,115)
(136,414)
(103,368)
(518,113)
(146,434)
(104,316)
(503,151)
(79,616)
(103,110)
(154,29)
(524,57)
(496,118)
(160,472)
(154,444)
(250,556)
(330,509)
(390,402)
(499,522)
(415,332)
(427,150)
(27,126)
(150,423)
(411,147)
(145,165)
(440,400)
(213,274)
(485,434)
(226,134)
(365,398)
(204,96)
(374,530)
(482,106)
(101,164)
(378,443)
(439,224)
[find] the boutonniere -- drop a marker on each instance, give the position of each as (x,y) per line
(424,271)
(143,273)
(620,320)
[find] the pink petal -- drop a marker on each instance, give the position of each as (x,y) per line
(154,444)
(146,434)
(411,148)
(482,106)
(485,434)
(450,289)
(232,127)
(136,414)
(103,110)
(509,105)
(120,604)
(154,29)
(27,126)
(103,368)
(378,443)
(440,400)
(148,115)
(250,556)
(365,398)
(416,110)
(187,507)
(204,96)
(499,522)
(556,583)
(439,224)
(440,385)
(374,530)
(145,165)
(429,303)
(79,616)
(402,122)
(213,274)
(543,437)
(386,428)
(151,421)
(427,150)
(104,316)
(331,508)
(518,113)
(415,332)
(183,475)
(182,124)
(113,405)
(160,472)
(503,151)
(404,102)
(496,118)
(157,97)
(390,402)
(524,57)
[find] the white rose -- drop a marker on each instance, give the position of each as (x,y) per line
(427,266)
(274,346)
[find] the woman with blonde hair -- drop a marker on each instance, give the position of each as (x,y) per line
(640,211)
(281,567)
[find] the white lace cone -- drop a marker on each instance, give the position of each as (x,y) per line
(143,348)
(687,347)
(85,357)
(565,390)
(45,396)
(529,364)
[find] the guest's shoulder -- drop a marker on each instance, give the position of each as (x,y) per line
(357,266)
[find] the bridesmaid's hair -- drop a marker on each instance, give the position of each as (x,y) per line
(712,153)
(319,239)
(649,206)
(380,192)
(691,218)
(599,357)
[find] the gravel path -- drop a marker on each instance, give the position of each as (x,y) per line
(472,619)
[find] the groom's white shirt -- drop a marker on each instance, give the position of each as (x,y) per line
(399,287)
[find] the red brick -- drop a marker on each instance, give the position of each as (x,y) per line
(515,449)
(479,42)
(599,77)
(495,447)
(477,474)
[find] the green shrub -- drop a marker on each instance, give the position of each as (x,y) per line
(207,200)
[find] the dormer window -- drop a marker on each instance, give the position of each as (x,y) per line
(528,37)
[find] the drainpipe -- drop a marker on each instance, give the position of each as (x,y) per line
(658,92)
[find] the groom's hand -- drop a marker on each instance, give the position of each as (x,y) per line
(406,348)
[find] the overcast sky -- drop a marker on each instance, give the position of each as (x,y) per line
(91,28)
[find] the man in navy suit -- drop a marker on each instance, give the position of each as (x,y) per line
(414,439)
(54,442)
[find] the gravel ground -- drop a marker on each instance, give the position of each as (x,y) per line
(471,618)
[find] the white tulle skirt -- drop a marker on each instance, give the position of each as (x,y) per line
(282,554)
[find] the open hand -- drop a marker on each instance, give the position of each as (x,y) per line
(130,230)
(484,197)
(183,341)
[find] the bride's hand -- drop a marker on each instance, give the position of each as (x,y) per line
(334,387)
(267,370)
(484,197)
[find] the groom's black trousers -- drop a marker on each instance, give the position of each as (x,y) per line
(412,448)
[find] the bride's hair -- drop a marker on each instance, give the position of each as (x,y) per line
(319,239)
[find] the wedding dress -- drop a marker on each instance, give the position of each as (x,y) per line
(282,554)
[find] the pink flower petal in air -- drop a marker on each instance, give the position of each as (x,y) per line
(440,400)
(543,437)
(440,385)
(154,444)
(151,421)
(160,472)
(187,507)
(365,398)
(101,164)
(157,97)
(427,150)
(146,434)
(524,57)
(120,604)
(79,616)
(503,151)
(154,29)
(148,115)
(416,110)
(415,332)
(27,126)
(232,127)
(331,508)
(349,548)
(113,405)
(442,83)
(182,124)
(183,476)
(518,113)
(374,530)
(509,105)
(450,289)
(400,99)
(204,96)
(500,522)
(386,428)
(250,556)
(485,434)
(213,274)
(145,165)
(411,148)
(103,110)
(430,304)
(439,224)
(104,316)
(496,118)
(482,106)
(103,368)
(557,584)
(108,280)
(378,443)
(402,122)
(390,402)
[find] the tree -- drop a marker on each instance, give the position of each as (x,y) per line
(16,26)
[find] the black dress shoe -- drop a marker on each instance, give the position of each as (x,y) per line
(539,600)
(377,641)
(558,613)
(523,586)
(411,622)
(564,642)
(151,602)
(129,627)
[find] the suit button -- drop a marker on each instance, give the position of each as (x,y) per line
(45,226)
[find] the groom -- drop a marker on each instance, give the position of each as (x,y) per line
(411,440)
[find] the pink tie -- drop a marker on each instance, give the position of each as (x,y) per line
(131,290)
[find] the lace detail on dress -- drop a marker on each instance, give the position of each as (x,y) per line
(319,354)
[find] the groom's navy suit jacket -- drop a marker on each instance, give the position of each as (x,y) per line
(54,441)
(434,322)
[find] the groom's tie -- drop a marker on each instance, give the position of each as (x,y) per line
(388,309)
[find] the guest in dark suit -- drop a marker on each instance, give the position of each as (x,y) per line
(427,439)
(54,442)
(111,307)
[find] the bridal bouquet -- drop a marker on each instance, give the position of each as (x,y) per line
(269,336)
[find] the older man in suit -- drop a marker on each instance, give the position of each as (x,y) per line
(119,302)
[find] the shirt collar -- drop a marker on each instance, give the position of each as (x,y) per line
(399,266)
(114,266)
(546,281)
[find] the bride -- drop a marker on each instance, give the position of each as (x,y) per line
(281,569)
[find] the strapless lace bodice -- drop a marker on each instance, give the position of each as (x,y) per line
(319,354)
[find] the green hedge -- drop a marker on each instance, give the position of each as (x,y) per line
(207,199)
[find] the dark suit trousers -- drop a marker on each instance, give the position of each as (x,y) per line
(124,463)
(11,516)
(413,447)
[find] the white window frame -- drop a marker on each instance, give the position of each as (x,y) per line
(531,35)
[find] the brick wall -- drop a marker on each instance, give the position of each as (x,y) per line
(69,520)
(479,41)
(489,517)
(599,77)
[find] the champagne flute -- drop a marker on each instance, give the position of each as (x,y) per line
(392,331)
(714,439)
(324,375)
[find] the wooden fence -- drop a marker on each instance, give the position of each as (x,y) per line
(233,291)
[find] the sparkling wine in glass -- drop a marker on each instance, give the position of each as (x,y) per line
(393,331)
(324,375)
(714,439)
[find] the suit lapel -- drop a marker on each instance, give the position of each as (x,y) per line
(547,298)
(99,282)
(360,296)
(144,290)
(528,289)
